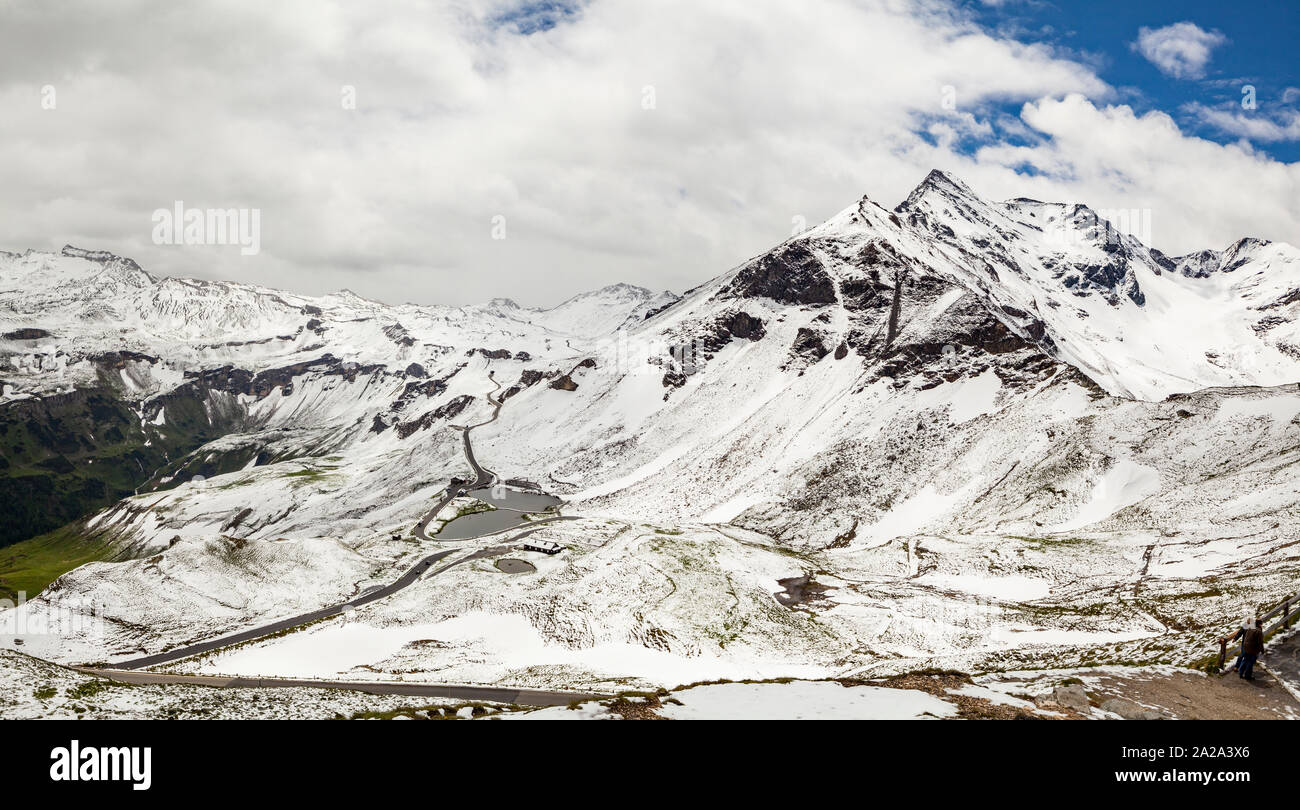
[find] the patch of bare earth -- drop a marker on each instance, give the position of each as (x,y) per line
(638,706)
(1173,694)
(968,707)
(1192,696)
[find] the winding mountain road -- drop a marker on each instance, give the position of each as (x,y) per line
(482,478)
(498,694)
(288,624)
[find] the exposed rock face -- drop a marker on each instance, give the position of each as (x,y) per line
(674,379)
(743,325)
(416,370)
(117,360)
(452,407)
(790,275)
(866,293)
(809,345)
(1110,279)
(429,388)
(448,410)
(398,334)
(108,260)
(564,383)
(650,313)
(531,377)
(491,354)
(26,333)
(1205,263)
(528,378)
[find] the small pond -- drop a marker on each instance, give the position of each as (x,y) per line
(515,498)
(511,504)
(513,566)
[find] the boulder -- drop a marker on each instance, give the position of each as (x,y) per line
(1071,697)
(1129,710)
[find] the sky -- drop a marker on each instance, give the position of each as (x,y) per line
(452,152)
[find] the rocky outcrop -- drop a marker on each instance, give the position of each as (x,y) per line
(1129,710)
(528,378)
(491,354)
(448,410)
(398,334)
(26,333)
(809,345)
(564,382)
(1109,279)
(742,325)
(117,360)
(791,274)
(1072,696)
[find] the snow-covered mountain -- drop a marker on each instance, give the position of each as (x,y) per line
(958,432)
(1139,323)
(603,311)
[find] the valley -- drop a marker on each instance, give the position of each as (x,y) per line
(953,435)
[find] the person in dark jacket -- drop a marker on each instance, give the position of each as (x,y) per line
(1241,631)
(1252,646)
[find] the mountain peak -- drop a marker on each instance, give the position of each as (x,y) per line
(941,183)
(111,261)
(620,288)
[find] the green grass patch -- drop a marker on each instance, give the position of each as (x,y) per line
(1040,543)
(474,509)
(87,690)
(32,564)
(310,474)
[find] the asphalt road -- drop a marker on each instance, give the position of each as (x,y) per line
(482,477)
(498,694)
(286,624)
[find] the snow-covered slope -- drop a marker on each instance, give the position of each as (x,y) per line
(958,432)
(603,311)
(60,314)
(1138,322)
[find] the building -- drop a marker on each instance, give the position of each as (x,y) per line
(544,546)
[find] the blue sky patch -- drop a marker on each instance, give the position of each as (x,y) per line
(1250,57)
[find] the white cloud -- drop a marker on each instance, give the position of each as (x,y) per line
(1181,50)
(762,112)
(1282,125)
(1200,193)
